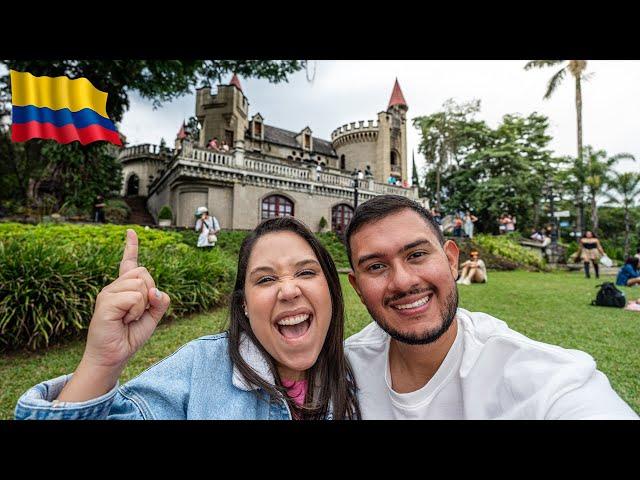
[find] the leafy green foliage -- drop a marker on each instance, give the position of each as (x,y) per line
(334,245)
(52,273)
(165,213)
(504,252)
(116,210)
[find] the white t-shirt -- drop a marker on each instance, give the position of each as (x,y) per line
(490,372)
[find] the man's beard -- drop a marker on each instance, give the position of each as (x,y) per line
(429,336)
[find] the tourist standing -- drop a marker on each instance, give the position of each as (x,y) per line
(590,251)
(469,220)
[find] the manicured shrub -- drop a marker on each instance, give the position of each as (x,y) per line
(503,252)
(51,274)
(116,211)
(165,213)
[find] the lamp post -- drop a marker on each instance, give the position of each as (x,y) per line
(354,175)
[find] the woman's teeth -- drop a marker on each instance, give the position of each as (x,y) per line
(417,303)
(293,320)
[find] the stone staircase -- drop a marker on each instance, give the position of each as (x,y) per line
(139,214)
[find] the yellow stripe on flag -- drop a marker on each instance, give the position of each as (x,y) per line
(56,93)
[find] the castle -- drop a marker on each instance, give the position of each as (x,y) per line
(269,171)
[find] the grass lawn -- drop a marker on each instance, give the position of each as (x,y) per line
(550,307)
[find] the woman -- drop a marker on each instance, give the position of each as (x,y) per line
(474,270)
(590,250)
(469,220)
(281,358)
(208,227)
(628,276)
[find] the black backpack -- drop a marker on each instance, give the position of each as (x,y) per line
(609,296)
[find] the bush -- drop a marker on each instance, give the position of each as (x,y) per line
(51,274)
(505,253)
(334,245)
(165,213)
(116,210)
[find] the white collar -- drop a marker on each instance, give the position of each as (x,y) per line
(253,357)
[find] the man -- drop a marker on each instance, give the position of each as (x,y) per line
(473,270)
(425,358)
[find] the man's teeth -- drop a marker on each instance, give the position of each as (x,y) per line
(415,304)
(293,320)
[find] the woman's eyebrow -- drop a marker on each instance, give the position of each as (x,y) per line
(301,263)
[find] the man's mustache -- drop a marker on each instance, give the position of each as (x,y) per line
(400,296)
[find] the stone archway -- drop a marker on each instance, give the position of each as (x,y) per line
(133,186)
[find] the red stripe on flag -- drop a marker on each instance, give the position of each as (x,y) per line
(21,132)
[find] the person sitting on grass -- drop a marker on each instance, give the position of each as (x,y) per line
(628,276)
(473,270)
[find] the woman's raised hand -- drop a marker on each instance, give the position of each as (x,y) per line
(126,314)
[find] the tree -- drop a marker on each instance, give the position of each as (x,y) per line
(504,170)
(625,189)
(415,179)
(598,172)
(576,68)
(444,137)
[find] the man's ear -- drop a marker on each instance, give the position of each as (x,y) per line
(354,284)
(452,252)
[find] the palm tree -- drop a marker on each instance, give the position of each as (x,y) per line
(626,187)
(576,68)
(598,172)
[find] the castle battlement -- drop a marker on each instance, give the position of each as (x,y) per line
(355,132)
(352,127)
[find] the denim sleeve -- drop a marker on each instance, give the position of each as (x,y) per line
(38,403)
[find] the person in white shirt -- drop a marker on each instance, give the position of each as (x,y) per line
(425,358)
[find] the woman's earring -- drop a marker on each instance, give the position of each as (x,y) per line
(246,312)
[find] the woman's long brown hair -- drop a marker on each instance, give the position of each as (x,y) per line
(331,384)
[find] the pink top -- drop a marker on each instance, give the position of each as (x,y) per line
(296,389)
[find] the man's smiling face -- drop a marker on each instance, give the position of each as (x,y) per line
(404,277)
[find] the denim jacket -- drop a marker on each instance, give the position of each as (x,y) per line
(198,381)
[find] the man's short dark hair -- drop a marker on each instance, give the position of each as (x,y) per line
(382,206)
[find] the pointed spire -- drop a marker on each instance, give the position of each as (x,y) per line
(235,81)
(182,133)
(397,98)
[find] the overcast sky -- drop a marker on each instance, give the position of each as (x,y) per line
(347,90)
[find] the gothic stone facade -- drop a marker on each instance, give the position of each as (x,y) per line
(269,171)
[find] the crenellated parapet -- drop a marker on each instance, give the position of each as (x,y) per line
(355,132)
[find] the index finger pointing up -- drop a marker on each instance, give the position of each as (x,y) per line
(130,256)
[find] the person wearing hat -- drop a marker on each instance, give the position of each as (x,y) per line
(207,226)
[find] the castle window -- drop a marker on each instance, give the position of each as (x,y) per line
(343,162)
(276,206)
(341,215)
(290,158)
(394,160)
(307,140)
(257,129)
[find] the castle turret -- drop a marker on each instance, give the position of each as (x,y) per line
(223,115)
(381,144)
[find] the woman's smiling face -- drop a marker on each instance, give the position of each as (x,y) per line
(287,301)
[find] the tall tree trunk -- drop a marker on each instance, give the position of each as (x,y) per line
(580,200)
(626,231)
(438,187)
(594,213)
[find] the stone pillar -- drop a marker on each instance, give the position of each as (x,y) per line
(238,153)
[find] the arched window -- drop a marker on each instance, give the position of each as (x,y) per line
(341,215)
(133,185)
(394,159)
(276,206)
(343,163)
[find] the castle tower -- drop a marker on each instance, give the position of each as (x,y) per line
(224,114)
(381,144)
(392,142)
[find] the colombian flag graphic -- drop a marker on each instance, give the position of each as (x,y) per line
(60,109)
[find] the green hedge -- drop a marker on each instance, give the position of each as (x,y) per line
(51,274)
(505,253)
